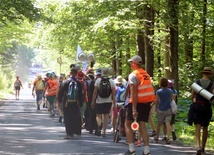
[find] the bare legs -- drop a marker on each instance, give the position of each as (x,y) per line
(198,136)
(144,134)
(105,121)
(17,94)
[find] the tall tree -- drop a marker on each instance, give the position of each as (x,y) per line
(148,38)
(173,13)
(204,24)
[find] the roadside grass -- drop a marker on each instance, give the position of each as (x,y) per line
(5,92)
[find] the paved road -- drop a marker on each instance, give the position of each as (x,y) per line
(26,131)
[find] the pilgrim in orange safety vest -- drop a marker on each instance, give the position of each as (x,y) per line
(52,87)
(145,88)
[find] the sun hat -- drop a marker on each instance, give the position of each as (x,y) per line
(90,71)
(80,75)
(119,79)
(207,70)
(136,59)
(105,71)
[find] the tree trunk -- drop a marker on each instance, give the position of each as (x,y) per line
(140,34)
(140,45)
(204,32)
(113,53)
(148,39)
(167,64)
(173,6)
(119,56)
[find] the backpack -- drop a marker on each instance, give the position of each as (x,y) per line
(17,83)
(104,88)
(72,91)
(84,91)
(120,93)
(39,85)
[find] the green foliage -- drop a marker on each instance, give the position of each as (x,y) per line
(16,11)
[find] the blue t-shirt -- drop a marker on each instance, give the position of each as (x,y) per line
(165,97)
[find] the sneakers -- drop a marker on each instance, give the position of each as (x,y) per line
(199,151)
(130,153)
(51,114)
(98,133)
(60,119)
(38,107)
(174,136)
(68,136)
(138,143)
(156,139)
(167,141)
(164,139)
(153,134)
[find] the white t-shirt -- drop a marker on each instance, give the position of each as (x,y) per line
(100,100)
(133,79)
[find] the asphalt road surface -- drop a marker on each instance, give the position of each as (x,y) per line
(27,131)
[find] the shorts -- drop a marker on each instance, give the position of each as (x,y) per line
(17,87)
(51,99)
(164,116)
(202,114)
(39,95)
(103,108)
(142,110)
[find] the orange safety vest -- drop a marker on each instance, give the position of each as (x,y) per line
(146,92)
(53,85)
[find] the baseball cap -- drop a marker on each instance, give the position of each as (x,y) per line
(136,59)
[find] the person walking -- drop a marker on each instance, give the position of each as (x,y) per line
(38,87)
(92,125)
(103,99)
(172,123)
(141,96)
(51,87)
(82,80)
(59,98)
(17,87)
(202,110)
(71,94)
(164,96)
(120,99)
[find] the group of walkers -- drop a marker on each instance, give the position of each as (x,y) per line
(86,100)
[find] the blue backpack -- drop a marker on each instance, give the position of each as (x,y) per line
(120,93)
(72,92)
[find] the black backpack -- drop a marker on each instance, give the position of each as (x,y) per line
(104,88)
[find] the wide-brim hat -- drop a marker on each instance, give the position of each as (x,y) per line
(80,75)
(119,80)
(105,71)
(90,71)
(207,70)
